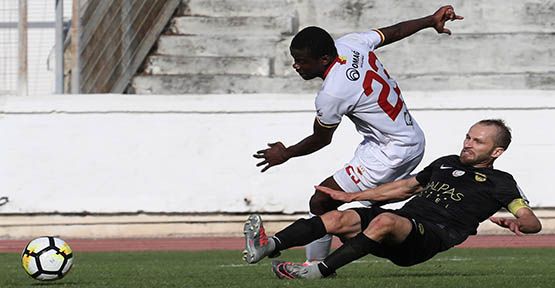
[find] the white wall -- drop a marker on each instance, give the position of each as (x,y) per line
(127,153)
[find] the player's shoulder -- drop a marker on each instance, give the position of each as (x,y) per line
(449,160)
(361,38)
(339,82)
(500,175)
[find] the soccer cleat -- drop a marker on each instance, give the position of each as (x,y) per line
(256,241)
(308,263)
(289,270)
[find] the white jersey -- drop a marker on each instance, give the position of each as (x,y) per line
(358,86)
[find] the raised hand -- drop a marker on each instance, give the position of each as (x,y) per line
(444,14)
(275,155)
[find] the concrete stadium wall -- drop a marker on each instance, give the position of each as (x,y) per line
(242,46)
(113,39)
(129,153)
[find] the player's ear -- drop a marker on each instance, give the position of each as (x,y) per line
(497,151)
(326,60)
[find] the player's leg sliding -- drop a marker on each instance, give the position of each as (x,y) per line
(319,249)
(258,245)
(301,232)
(288,270)
(353,249)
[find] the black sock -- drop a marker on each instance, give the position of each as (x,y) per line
(353,249)
(301,232)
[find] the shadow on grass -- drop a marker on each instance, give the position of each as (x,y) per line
(54,283)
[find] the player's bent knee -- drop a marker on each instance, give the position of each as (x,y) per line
(341,222)
(321,203)
(316,206)
(332,221)
(382,224)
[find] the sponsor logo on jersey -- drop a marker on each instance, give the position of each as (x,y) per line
(352,74)
(443,167)
(421,228)
(408,118)
(441,192)
(356,59)
(458,173)
(480,177)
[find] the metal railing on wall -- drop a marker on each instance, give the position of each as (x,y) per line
(27,42)
(9,43)
(109,41)
(22,71)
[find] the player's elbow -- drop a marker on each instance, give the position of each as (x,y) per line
(533,226)
(536,228)
(529,222)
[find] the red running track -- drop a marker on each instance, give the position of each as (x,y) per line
(234,243)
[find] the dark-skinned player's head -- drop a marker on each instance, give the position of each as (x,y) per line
(313,50)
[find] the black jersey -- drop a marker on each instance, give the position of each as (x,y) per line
(458,197)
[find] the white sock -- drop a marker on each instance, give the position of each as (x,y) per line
(319,249)
(271,244)
(312,272)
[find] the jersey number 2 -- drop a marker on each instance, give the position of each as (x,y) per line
(371,75)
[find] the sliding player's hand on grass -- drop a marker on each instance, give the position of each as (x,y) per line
(509,223)
(275,155)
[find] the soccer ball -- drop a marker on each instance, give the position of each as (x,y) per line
(47,258)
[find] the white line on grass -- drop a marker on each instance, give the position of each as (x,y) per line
(454,259)
(234,265)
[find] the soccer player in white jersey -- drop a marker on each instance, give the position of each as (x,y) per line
(356,85)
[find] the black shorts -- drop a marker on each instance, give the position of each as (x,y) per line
(425,240)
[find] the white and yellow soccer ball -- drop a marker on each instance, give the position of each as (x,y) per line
(47,258)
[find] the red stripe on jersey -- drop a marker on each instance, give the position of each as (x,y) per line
(336,60)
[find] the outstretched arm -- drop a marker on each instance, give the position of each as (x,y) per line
(404,29)
(278,153)
(389,192)
(525,222)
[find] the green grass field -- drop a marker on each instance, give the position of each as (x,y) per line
(456,268)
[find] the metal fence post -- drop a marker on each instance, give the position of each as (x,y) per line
(22,70)
(75,48)
(59,48)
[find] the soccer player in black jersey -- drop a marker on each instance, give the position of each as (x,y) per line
(451,197)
